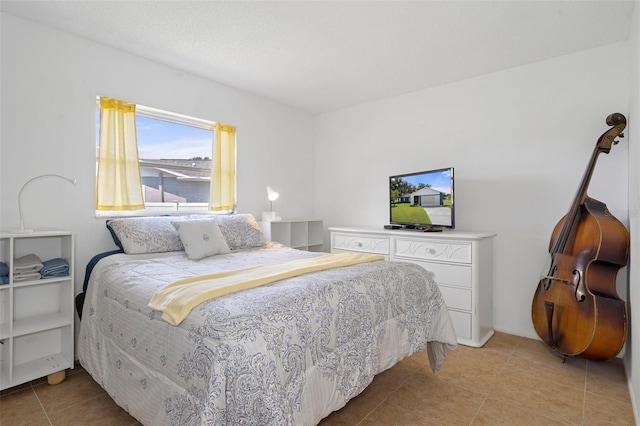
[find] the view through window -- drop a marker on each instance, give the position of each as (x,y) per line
(175,160)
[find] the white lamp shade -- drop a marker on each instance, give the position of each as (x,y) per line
(271,194)
(22,229)
(270,216)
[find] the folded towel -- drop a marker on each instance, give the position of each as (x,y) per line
(4,280)
(54,268)
(26,276)
(28,263)
(4,270)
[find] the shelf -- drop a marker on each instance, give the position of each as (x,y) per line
(40,367)
(5,311)
(300,234)
(41,281)
(40,323)
(4,331)
(36,316)
(37,233)
(4,379)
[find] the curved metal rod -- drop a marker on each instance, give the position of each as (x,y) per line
(22,229)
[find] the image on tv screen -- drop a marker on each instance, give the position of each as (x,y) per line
(424,198)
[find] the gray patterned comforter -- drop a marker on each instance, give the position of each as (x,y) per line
(287,353)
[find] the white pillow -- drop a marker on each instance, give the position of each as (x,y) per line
(201,238)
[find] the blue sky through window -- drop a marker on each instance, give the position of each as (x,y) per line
(161,139)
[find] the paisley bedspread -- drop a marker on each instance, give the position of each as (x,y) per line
(288,353)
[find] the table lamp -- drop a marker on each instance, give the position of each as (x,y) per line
(270,216)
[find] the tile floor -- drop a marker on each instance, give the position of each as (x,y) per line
(510,381)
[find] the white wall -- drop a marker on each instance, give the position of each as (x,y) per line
(519,140)
(49,84)
(632,359)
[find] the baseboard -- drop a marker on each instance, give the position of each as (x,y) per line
(517,333)
(632,395)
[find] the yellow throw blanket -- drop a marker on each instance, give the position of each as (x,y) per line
(177,299)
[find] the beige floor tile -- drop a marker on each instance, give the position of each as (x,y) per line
(603,411)
(437,399)
(504,340)
(536,350)
(75,389)
(500,413)
(390,415)
(419,361)
(98,411)
(15,389)
(356,409)
(495,354)
(535,394)
(393,378)
(612,370)
(571,372)
(21,408)
(607,378)
(473,368)
(500,343)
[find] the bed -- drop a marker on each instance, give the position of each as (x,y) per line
(285,353)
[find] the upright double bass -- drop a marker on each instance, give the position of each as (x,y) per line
(576,309)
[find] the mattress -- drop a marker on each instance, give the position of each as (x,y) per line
(286,353)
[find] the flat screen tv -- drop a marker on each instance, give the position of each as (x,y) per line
(422,200)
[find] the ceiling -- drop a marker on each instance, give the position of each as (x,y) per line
(327,55)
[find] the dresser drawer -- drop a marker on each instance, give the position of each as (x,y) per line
(461,324)
(363,243)
(433,250)
(456,298)
(446,273)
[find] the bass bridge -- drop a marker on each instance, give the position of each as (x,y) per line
(575,281)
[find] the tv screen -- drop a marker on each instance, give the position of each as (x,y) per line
(422,199)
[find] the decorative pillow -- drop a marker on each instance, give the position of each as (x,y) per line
(241,231)
(201,238)
(139,235)
(116,241)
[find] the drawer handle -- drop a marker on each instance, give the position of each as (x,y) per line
(430,251)
(359,244)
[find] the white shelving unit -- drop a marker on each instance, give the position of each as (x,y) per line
(461,262)
(299,234)
(36,316)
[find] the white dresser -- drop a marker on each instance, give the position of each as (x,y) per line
(462,264)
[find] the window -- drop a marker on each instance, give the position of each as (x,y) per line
(175,158)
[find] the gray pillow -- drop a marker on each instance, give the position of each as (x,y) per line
(201,238)
(139,235)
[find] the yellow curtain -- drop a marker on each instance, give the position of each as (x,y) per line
(223,169)
(118,182)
